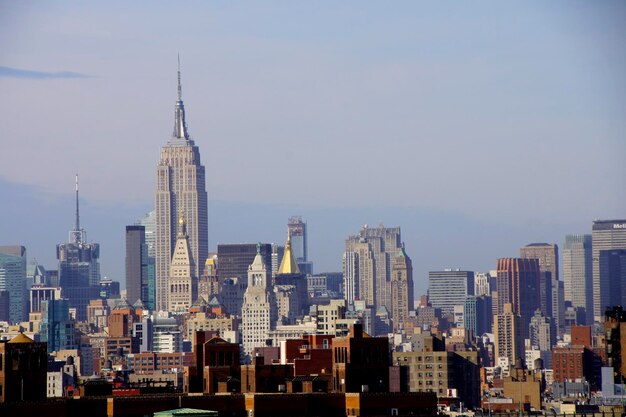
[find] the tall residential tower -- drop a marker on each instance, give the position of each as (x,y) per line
(180,189)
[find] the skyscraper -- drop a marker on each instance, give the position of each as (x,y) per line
(367,265)
(518,285)
(540,332)
(577,274)
(235,258)
(449,288)
(136,264)
(79,269)
(180,189)
(477,314)
(297,232)
(482,284)
(508,334)
(548,256)
(277,257)
(13,280)
(606,235)
(290,287)
(401,289)
(182,281)
(149,223)
(613,272)
(57,329)
(258,312)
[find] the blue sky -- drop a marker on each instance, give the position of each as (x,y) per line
(476,127)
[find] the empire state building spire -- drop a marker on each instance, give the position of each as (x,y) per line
(180,127)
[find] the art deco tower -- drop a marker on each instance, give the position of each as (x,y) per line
(401,289)
(180,189)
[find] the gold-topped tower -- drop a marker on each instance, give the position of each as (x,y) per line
(288,265)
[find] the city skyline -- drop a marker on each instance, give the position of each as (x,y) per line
(386,87)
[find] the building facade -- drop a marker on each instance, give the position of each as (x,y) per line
(577,274)
(449,288)
(548,256)
(605,235)
(435,370)
(182,283)
(13,280)
(401,289)
(290,288)
(613,273)
(360,363)
(39,294)
(149,224)
(477,314)
(507,329)
(482,284)
(136,264)
(518,285)
(367,265)
(180,189)
(234,259)
(23,369)
(540,332)
(297,232)
(258,312)
(57,329)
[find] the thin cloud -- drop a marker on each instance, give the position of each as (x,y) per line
(38,75)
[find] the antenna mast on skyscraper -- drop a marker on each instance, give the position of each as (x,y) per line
(180,127)
(77,235)
(180,89)
(77,227)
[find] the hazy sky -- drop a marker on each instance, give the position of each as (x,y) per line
(477,127)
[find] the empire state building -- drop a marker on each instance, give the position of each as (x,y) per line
(180,192)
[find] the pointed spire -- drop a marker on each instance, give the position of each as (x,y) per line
(77,226)
(77,235)
(288,265)
(180,89)
(180,127)
(258,262)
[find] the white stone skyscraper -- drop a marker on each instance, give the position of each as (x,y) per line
(375,274)
(182,282)
(259,311)
(180,189)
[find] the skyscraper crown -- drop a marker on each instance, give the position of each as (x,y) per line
(180,126)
